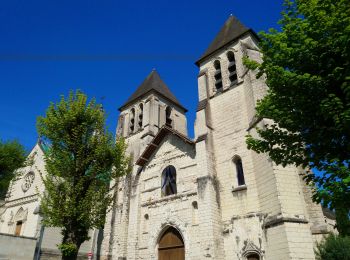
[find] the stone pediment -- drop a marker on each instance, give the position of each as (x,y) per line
(156,143)
(250,247)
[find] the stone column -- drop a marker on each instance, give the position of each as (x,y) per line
(208,195)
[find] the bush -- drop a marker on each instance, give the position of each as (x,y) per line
(333,247)
(68,249)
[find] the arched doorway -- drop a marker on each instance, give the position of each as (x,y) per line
(171,245)
(253,256)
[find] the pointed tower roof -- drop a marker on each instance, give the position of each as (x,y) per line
(153,82)
(231,30)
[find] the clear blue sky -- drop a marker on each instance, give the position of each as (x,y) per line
(106,48)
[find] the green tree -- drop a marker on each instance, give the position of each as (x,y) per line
(307,66)
(81,161)
(333,247)
(12,157)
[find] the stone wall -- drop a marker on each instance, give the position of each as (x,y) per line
(15,247)
(52,237)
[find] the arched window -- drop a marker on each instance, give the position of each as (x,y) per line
(145,223)
(132,120)
(239,171)
(194,213)
(217,75)
(140,115)
(232,67)
(169,181)
(168,120)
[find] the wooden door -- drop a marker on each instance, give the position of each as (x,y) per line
(18,228)
(171,246)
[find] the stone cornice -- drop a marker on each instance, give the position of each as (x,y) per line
(277,220)
(21,201)
(169,198)
(15,236)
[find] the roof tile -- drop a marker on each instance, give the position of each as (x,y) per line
(153,82)
(231,30)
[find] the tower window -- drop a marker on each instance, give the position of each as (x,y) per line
(120,126)
(169,181)
(239,171)
(217,75)
(168,120)
(194,212)
(132,120)
(140,115)
(145,223)
(232,67)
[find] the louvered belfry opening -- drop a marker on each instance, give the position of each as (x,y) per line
(140,115)
(232,68)
(218,76)
(168,119)
(132,120)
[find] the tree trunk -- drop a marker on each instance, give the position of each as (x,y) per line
(71,257)
(70,245)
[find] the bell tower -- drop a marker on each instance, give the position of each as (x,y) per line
(250,184)
(149,108)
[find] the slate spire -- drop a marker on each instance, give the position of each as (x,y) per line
(231,30)
(153,82)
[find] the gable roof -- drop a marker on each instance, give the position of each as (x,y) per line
(153,82)
(154,144)
(231,30)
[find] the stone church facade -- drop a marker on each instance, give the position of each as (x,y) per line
(210,197)
(203,198)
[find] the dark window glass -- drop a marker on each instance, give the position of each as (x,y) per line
(240,173)
(169,181)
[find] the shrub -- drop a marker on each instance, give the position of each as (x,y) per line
(333,247)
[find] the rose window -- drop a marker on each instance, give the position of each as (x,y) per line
(28,180)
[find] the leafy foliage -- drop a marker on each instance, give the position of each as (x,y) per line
(333,247)
(82,159)
(12,157)
(307,65)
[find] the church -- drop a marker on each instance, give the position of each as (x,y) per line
(203,198)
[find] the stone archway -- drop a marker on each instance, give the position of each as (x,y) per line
(253,256)
(171,245)
(18,220)
(251,251)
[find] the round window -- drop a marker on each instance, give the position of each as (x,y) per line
(27,181)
